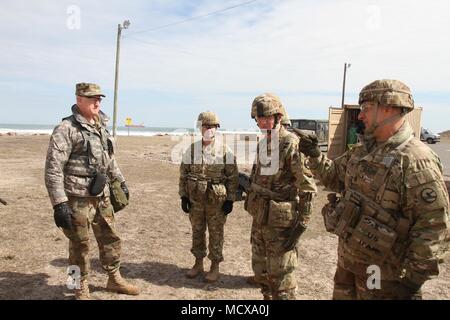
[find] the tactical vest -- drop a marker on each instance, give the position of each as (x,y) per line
(206,182)
(371,223)
(273,199)
(93,156)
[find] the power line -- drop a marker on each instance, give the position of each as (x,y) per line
(182,51)
(192,18)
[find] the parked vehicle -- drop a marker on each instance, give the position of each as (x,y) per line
(428,136)
(318,127)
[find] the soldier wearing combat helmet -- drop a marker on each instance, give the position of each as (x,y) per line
(393,213)
(79,168)
(207,187)
(279,217)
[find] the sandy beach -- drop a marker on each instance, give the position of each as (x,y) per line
(156,234)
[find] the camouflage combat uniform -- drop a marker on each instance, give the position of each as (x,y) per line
(208,177)
(274,202)
(393,212)
(76,150)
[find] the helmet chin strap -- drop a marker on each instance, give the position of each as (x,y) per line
(369,134)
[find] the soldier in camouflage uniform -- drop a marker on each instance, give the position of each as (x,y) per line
(208,183)
(393,212)
(278,181)
(80,162)
(309,188)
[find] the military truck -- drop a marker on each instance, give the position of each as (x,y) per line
(343,125)
(318,127)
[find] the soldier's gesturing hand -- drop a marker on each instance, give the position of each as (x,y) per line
(63,215)
(227,206)
(309,144)
(185,204)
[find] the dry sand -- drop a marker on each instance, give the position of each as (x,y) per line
(156,234)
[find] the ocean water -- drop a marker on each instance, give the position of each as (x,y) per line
(31,129)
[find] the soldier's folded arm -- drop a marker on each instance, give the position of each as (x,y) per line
(427,204)
(59,149)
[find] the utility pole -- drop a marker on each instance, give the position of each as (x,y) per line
(346,66)
(126,24)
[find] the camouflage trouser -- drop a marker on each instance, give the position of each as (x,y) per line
(211,216)
(99,214)
(273,267)
(350,285)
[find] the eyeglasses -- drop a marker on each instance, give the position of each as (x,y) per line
(366,106)
(99,99)
(209,126)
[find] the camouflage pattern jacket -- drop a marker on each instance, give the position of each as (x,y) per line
(208,174)
(277,182)
(77,150)
(394,209)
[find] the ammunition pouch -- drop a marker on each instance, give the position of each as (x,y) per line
(117,195)
(217,193)
(282,214)
(330,217)
(347,214)
(372,239)
(212,190)
(196,189)
(97,184)
(371,231)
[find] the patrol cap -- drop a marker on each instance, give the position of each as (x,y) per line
(85,89)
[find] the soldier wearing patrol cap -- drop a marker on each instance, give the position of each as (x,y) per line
(278,181)
(393,214)
(79,168)
(207,187)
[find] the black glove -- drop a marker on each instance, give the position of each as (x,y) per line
(63,215)
(227,207)
(125,190)
(293,236)
(413,288)
(185,204)
(308,145)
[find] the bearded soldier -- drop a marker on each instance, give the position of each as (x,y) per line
(80,167)
(392,217)
(208,183)
(278,182)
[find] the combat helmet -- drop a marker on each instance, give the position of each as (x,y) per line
(208,118)
(285,121)
(267,104)
(389,93)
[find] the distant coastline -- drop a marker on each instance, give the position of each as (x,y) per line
(32,129)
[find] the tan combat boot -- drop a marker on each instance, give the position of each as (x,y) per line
(83,292)
(213,273)
(196,269)
(118,284)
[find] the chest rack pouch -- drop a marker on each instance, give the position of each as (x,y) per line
(99,181)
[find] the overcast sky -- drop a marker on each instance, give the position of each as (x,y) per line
(221,61)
